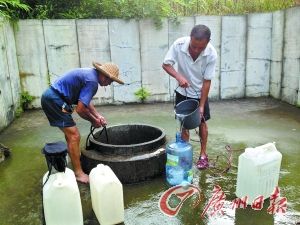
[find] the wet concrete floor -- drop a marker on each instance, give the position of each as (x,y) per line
(239,123)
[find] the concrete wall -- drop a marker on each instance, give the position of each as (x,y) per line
(94,45)
(259,55)
(32,58)
(9,75)
(154,45)
(233,57)
(259,31)
(290,85)
(125,51)
(277,54)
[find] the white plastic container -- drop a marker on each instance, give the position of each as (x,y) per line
(61,199)
(107,195)
(258,172)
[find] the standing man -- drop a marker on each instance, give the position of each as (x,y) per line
(77,87)
(196,61)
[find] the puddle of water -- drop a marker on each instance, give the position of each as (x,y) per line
(242,123)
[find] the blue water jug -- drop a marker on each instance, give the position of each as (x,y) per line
(179,162)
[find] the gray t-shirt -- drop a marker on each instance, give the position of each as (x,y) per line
(203,68)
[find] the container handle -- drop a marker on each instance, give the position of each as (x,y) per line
(87,142)
(269,147)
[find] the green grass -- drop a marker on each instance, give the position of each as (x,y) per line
(8,8)
(136,9)
(225,7)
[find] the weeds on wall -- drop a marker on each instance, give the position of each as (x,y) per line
(142,94)
(25,101)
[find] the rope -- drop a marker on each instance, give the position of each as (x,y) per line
(59,163)
(218,169)
(49,173)
(92,133)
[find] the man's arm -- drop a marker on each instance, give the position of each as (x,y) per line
(204,94)
(208,76)
(94,112)
(86,114)
(172,72)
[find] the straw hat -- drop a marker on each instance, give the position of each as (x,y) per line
(110,70)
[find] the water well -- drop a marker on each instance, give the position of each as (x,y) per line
(135,152)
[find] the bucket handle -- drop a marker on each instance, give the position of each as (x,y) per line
(87,142)
(186,97)
(186,91)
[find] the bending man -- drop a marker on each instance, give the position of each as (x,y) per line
(77,87)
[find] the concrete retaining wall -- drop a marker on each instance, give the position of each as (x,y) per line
(259,55)
(233,57)
(291,57)
(276,54)
(259,31)
(9,75)
(154,45)
(93,44)
(32,58)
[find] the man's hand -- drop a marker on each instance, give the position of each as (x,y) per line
(182,81)
(102,120)
(99,122)
(201,112)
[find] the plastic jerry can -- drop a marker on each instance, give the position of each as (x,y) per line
(107,195)
(258,172)
(61,199)
(179,162)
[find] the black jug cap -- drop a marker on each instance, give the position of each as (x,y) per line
(55,148)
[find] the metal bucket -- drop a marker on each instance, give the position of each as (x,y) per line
(188,113)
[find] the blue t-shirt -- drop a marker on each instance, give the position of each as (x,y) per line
(80,84)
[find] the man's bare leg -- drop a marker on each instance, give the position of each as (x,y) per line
(73,140)
(203,162)
(203,134)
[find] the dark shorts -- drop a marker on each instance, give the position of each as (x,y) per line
(52,106)
(180,98)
